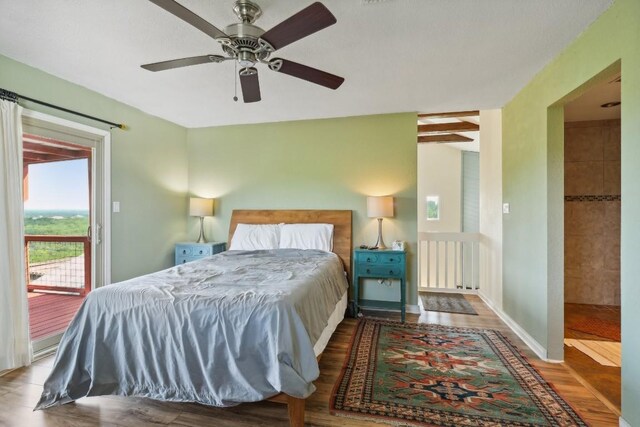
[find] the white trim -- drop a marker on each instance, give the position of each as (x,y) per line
(63,122)
(106,206)
(103,137)
(408,308)
(534,345)
(450,290)
(414,309)
(623,423)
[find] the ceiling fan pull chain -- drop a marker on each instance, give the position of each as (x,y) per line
(235,81)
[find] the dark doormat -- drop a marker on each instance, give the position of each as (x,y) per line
(446,302)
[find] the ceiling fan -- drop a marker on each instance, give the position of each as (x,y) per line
(249,45)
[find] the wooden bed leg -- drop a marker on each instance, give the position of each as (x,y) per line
(296,411)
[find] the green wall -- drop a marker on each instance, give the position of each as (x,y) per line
(314,164)
(532,183)
(149,168)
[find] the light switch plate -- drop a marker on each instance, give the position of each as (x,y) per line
(116,207)
(506,208)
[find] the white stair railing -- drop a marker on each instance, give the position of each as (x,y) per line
(449,261)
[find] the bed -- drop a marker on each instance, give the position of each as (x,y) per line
(240,326)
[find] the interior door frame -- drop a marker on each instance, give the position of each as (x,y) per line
(100,141)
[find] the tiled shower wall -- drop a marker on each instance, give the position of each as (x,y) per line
(592,212)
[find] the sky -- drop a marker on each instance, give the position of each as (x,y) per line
(58,185)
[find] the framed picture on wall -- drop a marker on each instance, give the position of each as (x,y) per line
(433,208)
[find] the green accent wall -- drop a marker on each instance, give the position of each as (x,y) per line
(533,185)
(312,164)
(148,174)
(315,164)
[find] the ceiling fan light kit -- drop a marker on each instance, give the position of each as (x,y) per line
(250,45)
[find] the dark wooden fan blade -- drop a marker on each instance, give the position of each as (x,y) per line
(250,85)
(184,62)
(186,15)
(306,22)
(309,74)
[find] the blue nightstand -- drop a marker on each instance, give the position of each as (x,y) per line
(380,264)
(186,252)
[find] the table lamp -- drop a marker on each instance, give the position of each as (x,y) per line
(201,208)
(380,207)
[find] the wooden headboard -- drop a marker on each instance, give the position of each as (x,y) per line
(341,220)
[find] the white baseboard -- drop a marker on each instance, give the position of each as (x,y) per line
(623,423)
(415,309)
(408,308)
(450,290)
(534,345)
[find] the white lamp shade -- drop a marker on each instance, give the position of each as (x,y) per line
(380,207)
(200,207)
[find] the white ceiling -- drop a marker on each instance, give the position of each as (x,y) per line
(396,55)
(589,105)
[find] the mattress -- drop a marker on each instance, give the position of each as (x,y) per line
(334,320)
(239,326)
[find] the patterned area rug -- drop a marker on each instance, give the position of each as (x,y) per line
(599,327)
(446,302)
(432,375)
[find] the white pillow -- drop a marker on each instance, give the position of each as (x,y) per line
(307,236)
(249,237)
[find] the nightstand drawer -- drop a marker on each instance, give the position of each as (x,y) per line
(183,250)
(379,271)
(187,252)
(186,259)
(379,258)
(201,251)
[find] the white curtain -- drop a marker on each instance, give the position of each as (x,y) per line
(15,344)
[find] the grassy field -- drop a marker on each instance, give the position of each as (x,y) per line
(69,226)
(55,225)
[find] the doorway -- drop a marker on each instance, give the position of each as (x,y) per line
(66,197)
(448,211)
(592,202)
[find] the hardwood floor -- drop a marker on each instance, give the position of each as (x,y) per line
(604,379)
(20,389)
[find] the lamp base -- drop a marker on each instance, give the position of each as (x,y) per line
(380,242)
(201,238)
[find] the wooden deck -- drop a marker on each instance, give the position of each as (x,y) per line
(50,314)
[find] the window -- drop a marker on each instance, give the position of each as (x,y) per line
(433,208)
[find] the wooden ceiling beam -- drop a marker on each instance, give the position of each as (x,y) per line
(448,127)
(30,158)
(448,115)
(27,137)
(443,138)
(39,157)
(48,149)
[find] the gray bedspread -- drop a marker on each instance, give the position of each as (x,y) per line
(235,327)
